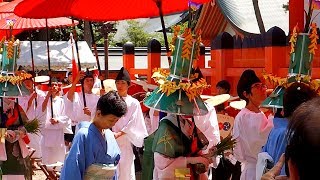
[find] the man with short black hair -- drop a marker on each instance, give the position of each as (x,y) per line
(251,126)
(130,129)
(223,87)
(77,112)
(94,142)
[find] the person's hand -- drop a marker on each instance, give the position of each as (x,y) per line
(79,76)
(117,134)
(226,154)
(273,174)
(199,159)
(211,153)
(54,121)
(50,89)
(22,131)
(10,134)
(87,111)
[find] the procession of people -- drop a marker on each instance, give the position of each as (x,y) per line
(175,125)
(112,124)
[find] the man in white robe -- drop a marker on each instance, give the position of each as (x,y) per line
(251,127)
(52,143)
(130,129)
(33,110)
(74,101)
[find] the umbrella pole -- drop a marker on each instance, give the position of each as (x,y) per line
(49,64)
(32,63)
(159,4)
(96,51)
(74,32)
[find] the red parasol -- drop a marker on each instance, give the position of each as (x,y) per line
(29,24)
(4,14)
(8,7)
(97,10)
(105,10)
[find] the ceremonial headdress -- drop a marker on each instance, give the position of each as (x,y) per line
(247,79)
(177,92)
(123,75)
(10,78)
(303,47)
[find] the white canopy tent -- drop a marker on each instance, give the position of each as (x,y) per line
(60,55)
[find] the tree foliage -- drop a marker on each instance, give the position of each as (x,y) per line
(135,34)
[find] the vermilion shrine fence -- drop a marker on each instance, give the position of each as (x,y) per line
(230,56)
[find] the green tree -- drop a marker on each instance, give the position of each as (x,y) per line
(136,34)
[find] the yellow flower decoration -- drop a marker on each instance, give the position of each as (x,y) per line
(187,44)
(17,79)
(176,30)
(168,87)
(194,89)
(293,38)
(314,39)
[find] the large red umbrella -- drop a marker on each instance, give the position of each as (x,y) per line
(103,10)
(30,24)
(100,10)
(21,24)
(8,7)
(5,14)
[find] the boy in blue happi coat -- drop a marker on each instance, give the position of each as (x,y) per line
(94,143)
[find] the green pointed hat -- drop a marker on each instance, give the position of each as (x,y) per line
(11,80)
(303,47)
(177,92)
(275,99)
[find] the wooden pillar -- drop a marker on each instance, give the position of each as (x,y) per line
(201,62)
(296,14)
(105,30)
(154,58)
(237,51)
(128,57)
(275,51)
(222,58)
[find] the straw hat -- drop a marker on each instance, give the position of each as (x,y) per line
(41,79)
(238,104)
(216,100)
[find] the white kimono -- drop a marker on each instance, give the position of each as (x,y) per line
(152,122)
(32,113)
(251,131)
(133,125)
(208,124)
(52,143)
(75,108)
